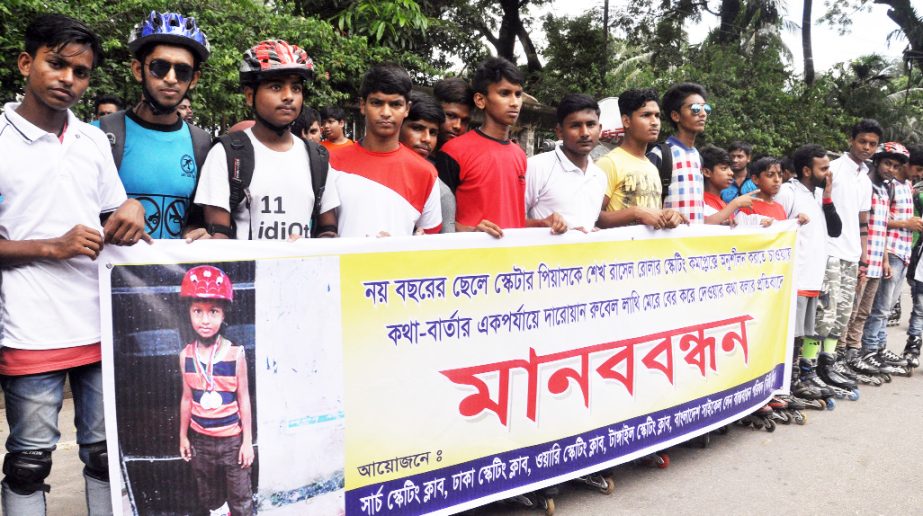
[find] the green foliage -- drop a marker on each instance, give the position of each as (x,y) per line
(392,23)
(231,26)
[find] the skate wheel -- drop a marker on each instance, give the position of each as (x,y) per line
(549,507)
(854,395)
(610,486)
(664,461)
(830,404)
(770,425)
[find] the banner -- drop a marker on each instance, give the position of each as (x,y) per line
(435,374)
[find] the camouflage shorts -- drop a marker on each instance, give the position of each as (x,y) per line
(836,299)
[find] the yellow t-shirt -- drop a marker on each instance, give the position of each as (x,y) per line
(632,181)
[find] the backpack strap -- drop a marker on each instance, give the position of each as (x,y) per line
(239,151)
(201,144)
(113,125)
(319,161)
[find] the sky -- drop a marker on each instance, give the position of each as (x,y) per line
(830,47)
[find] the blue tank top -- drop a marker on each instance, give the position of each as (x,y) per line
(159,170)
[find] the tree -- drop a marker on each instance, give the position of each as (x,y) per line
(901,12)
(807,48)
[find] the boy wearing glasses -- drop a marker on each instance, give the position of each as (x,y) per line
(158,154)
(687,112)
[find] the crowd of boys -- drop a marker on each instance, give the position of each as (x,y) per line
(420,168)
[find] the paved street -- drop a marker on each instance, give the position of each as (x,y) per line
(862,458)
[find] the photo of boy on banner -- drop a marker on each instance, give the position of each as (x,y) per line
(184,352)
(215,425)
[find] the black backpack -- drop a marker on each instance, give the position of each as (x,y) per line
(662,157)
(240,163)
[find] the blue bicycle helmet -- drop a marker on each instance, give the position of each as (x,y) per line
(170,28)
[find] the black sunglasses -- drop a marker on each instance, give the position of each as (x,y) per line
(160,68)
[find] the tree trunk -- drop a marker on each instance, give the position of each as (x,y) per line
(729,29)
(806,46)
(510,25)
(904,15)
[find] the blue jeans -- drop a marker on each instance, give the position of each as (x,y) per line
(875,335)
(915,329)
(33,403)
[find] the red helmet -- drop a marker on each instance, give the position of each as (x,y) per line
(274,57)
(892,150)
(207,282)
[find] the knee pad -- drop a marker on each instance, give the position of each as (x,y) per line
(25,472)
(97,461)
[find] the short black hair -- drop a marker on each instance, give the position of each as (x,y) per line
(788,164)
(713,156)
(916,155)
(305,120)
(387,78)
(804,157)
(867,125)
(633,100)
(741,146)
(108,99)
(334,112)
(56,31)
(674,98)
(574,102)
(424,107)
(454,90)
(762,165)
(493,70)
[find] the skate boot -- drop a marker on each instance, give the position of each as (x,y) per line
(894,318)
(890,358)
(809,376)
(843,387)
(912,351)
(866,372)
(841,367)
(542,500)
(794,409)
(884,371)
(780,413)
(760,419)
(600,481)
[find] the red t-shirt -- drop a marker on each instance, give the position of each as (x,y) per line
(335,146)
(714,201)
(491,180)
(770,209)
(18,362)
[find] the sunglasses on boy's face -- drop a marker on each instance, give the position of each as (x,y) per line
(160,69)
(697,108)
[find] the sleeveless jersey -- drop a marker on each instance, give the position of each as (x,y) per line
(223,421)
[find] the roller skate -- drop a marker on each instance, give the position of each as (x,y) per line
(866,372)
(894,318)
(759,419)
(658,460)
(600,481)
(888,357)
(884,370)
(813,404)
(842,386)
(794,409)
(912,351)
(780,413)
(808,375)
(542,500)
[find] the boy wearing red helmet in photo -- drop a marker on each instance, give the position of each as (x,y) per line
(215,404)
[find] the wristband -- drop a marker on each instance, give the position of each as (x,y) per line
(219,228)
(828,200)
(863,264)
(863,224)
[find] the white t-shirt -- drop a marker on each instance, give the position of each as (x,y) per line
(852,193)
(811,259)
(280,199)
(555,184)
(47,187)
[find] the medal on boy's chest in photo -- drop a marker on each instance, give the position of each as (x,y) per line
(210,399)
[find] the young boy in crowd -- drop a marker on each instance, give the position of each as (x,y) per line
(215,404)
(811,172)
(915,276)
(420,133)
(280,199)
(62,201)
(333,128)
(106,105)
(386,189)
(487,169)
(457,101)
(852,196)
(767,176)
(740,154)
(716,170)
(889,163)
(633,192)
(687,111)
(307,125)
(565,181)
